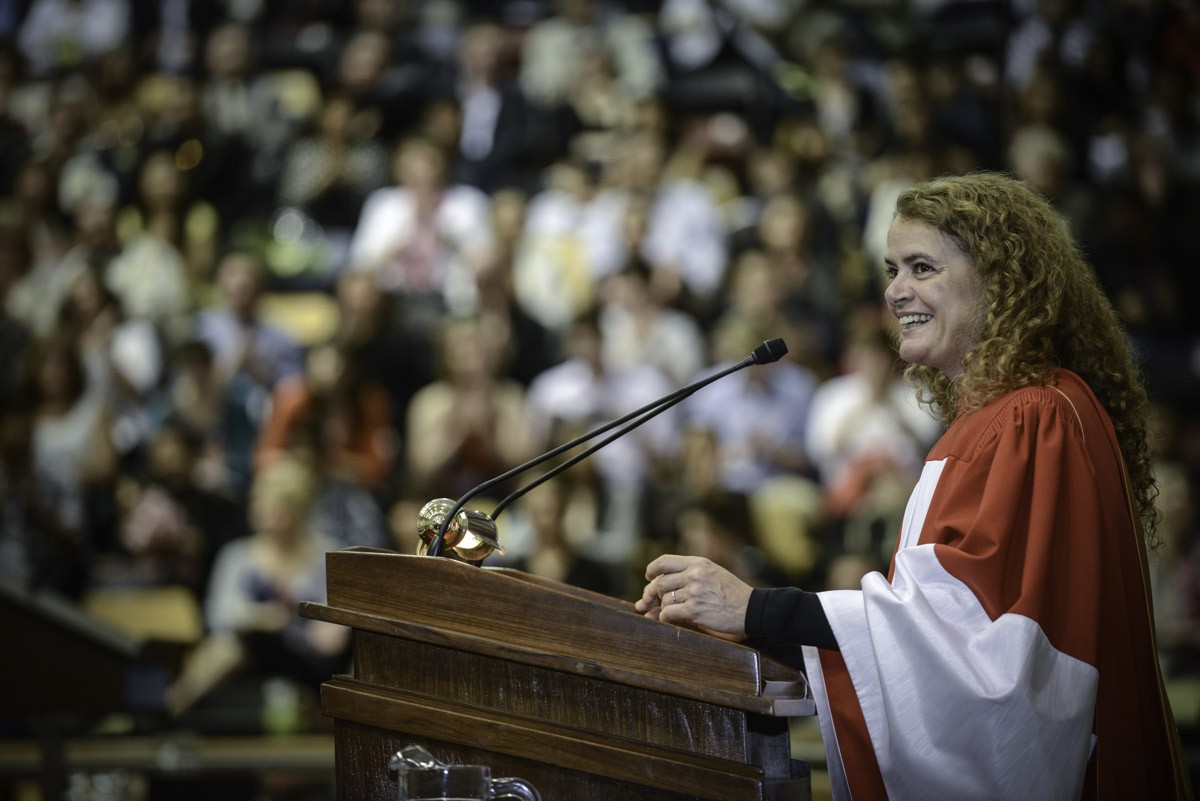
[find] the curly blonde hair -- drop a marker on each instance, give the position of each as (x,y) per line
(1042,308)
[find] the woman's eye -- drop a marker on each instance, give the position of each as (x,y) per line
(890,272)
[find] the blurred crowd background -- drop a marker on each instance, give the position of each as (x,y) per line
(274,273)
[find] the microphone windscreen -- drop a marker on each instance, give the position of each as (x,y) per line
(770,351)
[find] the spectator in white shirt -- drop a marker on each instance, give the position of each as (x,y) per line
(423,239)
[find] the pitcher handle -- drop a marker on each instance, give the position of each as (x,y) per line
(514,788)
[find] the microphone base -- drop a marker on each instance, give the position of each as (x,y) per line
(470,537)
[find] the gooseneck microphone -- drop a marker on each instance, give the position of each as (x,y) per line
(767,352)
(770,351)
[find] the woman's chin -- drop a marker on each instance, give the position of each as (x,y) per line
(911,353)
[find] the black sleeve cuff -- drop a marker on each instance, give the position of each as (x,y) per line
(788,616)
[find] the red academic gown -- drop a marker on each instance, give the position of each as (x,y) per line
(1010,653)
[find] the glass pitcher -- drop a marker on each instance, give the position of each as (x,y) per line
(423,778)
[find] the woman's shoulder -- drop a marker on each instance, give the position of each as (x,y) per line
(1064,402)
(1064,395)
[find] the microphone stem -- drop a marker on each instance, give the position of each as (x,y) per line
(662,407)
(435,547)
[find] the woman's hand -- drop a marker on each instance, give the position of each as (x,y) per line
(695,591)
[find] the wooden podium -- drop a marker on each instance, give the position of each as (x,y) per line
(573,691)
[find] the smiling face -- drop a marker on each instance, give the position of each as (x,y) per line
(932,291)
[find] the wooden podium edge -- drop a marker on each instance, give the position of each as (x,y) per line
(780,703)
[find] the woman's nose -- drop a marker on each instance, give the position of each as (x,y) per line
(897,290)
